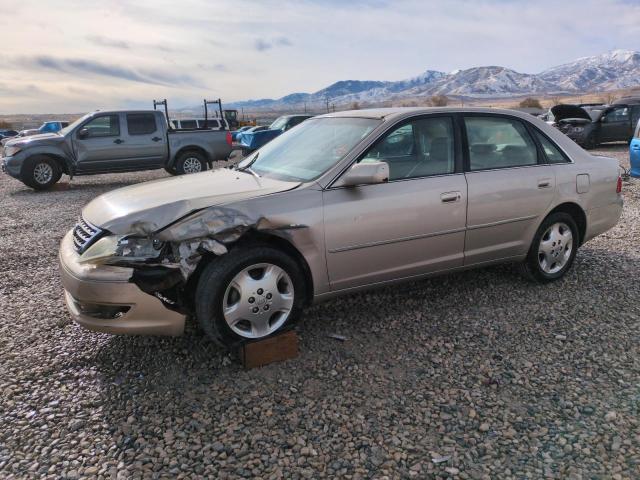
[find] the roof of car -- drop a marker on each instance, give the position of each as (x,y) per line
(393,112)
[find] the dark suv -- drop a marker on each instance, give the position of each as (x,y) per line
(592,126)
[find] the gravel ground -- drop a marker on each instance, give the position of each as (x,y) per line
(472,375)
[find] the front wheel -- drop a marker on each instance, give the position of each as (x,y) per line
(41,172)
(553,249)
(249,294)
(190,162)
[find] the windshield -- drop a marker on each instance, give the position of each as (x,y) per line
(73,125)
(278,124)
(307,151)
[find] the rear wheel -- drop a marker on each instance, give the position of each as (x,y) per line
(553,249)
(249,294)
(191,162)
(41,172)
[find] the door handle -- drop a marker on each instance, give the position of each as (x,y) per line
(544,183)
(118,141)
(450,197)
(156,139)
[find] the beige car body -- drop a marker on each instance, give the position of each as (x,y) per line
(346,238)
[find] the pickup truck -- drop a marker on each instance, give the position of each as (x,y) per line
(113,141)
(252,140)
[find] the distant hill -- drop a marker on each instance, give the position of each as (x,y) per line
(610,71)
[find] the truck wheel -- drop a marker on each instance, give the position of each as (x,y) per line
(40,172)
(190,162)
(248,294)
(589,143)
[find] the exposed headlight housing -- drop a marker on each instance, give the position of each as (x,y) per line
(122,249)
(11,151)
(578,129)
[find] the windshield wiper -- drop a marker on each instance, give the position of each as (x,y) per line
(250,163)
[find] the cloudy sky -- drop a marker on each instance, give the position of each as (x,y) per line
(73,56)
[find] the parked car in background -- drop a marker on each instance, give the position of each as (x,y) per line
(235,133)
(634,152)
(254,139)
(343,202)
(195,123)
(250,130)
(7,133)
(590,126)
(47,127)
(113,141)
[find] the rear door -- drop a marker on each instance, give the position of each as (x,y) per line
(615,125)
(412,225)
(510,187)
(145,145)
(102,149)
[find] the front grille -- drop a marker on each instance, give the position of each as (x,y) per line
(84,235)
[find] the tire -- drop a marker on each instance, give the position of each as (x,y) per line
(222,283)
(553,249)
(40,172)
(170,170)
(190,162)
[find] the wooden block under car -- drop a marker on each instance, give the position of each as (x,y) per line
(273,349)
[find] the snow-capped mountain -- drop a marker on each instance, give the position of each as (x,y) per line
(609,71)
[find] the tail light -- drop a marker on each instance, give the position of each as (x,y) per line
(619,185)
(229,140)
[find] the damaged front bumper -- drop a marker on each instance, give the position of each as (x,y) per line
(104,299)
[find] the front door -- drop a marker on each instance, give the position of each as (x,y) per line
(509,188)
(99,145)
(412,225)
(615,125)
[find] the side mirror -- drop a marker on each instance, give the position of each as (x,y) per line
(83,133)
(365,174)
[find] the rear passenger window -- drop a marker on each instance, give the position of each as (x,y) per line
(496,142)
(417,149)
(141,123)
(553,153)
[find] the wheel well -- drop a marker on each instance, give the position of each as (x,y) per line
(56,158)
(577,214)
(191,148)
(253,238)
(61,163)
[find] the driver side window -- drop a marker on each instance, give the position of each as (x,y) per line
(420,148)
(618,115)
(105,126)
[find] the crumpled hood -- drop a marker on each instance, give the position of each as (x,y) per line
(33,140)
(569,112)
(148,207)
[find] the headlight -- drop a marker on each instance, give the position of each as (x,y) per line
(11,151)
(121,249)
(578,129)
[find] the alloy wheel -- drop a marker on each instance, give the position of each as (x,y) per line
(258,300)
(556,245)
(43,173)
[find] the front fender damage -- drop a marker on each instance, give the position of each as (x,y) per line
(212,231)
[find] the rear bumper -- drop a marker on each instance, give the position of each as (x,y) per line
(601,219)
(101,298)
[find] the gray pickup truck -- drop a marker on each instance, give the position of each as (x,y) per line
(113,141)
